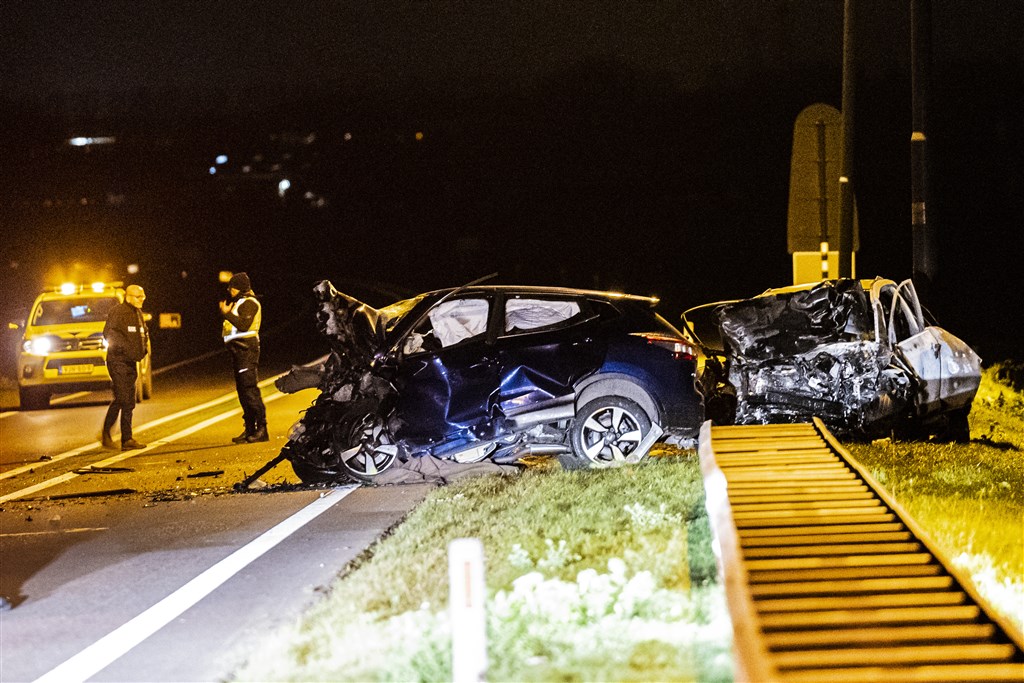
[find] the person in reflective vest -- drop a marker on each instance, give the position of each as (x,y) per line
(241,331)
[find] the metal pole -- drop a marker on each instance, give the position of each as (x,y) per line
(846,174)
(925,264)
(822,199)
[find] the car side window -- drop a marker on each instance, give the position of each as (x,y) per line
(447,324)
(534,315)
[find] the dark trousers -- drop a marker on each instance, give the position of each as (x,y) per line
(123,374)
(245,359)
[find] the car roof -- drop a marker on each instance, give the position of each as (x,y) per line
(788,289)
(865,283)
(540,290)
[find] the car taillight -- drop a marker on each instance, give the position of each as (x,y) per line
(679,348)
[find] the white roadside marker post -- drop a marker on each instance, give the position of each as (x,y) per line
(466,604)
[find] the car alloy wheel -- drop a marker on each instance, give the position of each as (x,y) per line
(607,431)
(373,449)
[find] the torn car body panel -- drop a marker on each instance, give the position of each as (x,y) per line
(948,370)
(858,354)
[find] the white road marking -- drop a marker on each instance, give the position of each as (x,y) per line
(67,476)
(59,399)
(56,531)
(115,644)
(149,425)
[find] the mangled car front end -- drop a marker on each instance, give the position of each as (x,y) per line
(860,355)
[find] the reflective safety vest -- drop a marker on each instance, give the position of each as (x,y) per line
(231,332)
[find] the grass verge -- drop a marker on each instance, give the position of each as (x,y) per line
(968,497)
(605,575)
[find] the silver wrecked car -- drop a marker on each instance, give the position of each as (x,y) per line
(860,354)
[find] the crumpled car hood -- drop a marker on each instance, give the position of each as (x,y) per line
(797,354)
(352,331)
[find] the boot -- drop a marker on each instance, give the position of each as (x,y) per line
(259,434)
(131,445)
(107,441)
(244,436)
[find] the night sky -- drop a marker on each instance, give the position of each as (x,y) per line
(634,145)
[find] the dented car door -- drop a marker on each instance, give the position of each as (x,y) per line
(947,370)
(447,373)
(544,346)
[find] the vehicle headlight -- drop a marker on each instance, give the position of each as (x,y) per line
(39,346)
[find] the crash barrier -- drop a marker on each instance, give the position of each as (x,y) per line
(828,579)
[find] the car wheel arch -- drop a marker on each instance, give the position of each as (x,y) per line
(617,384)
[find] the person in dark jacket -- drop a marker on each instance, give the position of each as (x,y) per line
(241,331)
(127,343)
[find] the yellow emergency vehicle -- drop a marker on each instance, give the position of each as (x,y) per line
(63,350)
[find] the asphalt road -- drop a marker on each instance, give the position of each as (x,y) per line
(148,565)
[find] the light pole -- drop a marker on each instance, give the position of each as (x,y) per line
(925,266)
(846,173)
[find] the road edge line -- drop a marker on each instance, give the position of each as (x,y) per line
(121,640)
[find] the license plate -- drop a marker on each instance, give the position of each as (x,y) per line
(76,369)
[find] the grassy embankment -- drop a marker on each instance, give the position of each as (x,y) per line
(969,497)
(604,575)
(609,575)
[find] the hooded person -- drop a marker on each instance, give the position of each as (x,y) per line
(242,315)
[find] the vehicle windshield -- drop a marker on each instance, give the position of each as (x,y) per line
(78,310)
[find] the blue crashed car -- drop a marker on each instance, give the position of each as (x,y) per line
(491,372)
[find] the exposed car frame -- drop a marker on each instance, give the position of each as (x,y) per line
(862,355)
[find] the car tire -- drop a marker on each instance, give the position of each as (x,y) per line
(34,398)
(371,449)
(605,432)
(957,428)
(308,474)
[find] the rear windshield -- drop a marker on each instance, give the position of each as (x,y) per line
(64,311)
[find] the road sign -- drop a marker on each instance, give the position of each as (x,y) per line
(814,210)
(170,321)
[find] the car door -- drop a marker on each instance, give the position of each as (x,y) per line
(545,344)
(447,373)
(947,369)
